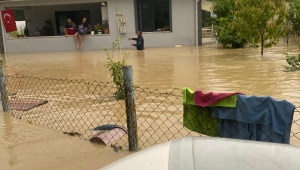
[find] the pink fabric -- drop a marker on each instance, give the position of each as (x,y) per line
(202,99)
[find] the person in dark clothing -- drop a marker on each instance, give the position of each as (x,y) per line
(70,27)
(139,41)
(84,27)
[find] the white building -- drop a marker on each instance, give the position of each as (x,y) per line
(183,17)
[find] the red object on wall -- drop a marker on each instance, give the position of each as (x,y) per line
(8,20)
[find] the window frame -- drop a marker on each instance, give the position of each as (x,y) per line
(137,21)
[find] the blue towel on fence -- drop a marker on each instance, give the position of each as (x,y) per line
(256,118)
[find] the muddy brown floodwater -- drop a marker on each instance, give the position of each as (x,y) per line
(209,68)
(28,146)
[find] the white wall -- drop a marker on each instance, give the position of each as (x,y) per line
(183,27)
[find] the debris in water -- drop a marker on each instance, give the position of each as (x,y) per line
(116,149)
(72,133)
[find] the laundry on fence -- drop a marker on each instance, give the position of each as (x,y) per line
(239,117)
(198,118)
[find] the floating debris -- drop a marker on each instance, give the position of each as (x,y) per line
(116,149)
(72,133)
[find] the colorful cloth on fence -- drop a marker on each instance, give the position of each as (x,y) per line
(256,118)
(188,96)
(197,118)
(207,99)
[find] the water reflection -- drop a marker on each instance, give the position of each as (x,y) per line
(8,137)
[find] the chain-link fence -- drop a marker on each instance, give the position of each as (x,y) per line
(69,106)
(292,37)
(77,107)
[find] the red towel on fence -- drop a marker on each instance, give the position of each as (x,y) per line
(202,99)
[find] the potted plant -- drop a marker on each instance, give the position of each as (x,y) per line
(166,28)
(98,28)
(22,33)
(105,26)
(48,29)
(14,34)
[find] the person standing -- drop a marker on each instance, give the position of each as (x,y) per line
(139,41)
(82,30)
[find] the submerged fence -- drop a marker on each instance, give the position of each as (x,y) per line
(76,107)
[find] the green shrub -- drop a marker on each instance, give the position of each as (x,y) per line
(115,69)
(293,63)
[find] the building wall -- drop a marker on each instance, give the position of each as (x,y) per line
(183,28)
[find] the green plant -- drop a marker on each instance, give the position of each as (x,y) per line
(22,31)
(115,69)
(98,27)
(228,36)
(166,28)
(105,24)
(14,34)
(225,33)
(293,62)
(293,15)
(48,30)
(260,21)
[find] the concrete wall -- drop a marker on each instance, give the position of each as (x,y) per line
(183,28)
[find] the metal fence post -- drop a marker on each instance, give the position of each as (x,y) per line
(130,108)
(4,95)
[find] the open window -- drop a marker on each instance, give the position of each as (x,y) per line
(153,15)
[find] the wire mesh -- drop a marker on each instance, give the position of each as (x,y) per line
(76,107)
(73,107)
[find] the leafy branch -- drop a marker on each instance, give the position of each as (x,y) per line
(115,69)
(293,63)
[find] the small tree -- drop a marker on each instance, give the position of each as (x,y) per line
(226,34)
(293,14)
(115,69)
(261,21)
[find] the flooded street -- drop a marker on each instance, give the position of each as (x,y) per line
(208,68)
(29,146)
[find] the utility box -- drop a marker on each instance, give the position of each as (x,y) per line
(122,30)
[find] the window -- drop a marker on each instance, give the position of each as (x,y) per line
(19,15)
(20,23)
(153,15)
